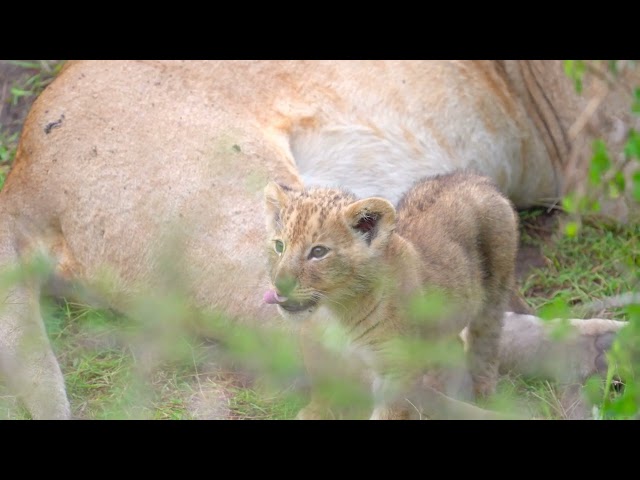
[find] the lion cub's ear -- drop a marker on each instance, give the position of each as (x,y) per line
(373,218)
(275,199)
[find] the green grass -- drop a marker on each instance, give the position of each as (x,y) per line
(8,145)
(265,404)
(601,261)
(41,74)
(529,397)
(598,263)
(106,377)
(102,372)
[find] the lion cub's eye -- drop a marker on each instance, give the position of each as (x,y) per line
(318,252)
(279,246)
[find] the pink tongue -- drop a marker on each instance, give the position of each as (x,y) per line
(270,296)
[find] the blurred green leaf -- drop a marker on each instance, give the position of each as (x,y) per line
(561,329)
(571,229)
(574,69)
(593,389)
(635,108)
(617,184)
(555,309)
(569,203)
(636,186)
(18,92)
(632,147)
(633,311)
(429,307)
(600,162)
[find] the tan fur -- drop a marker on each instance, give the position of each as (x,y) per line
(145,149)
(455,235)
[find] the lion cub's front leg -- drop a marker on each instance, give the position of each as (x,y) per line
(483,354)
(316,409)
(391,413)
(320,365)
(389,401)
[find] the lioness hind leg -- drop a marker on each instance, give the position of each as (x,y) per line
(26,359)
(27,362)
(528,347)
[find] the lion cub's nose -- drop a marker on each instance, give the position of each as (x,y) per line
(285,284)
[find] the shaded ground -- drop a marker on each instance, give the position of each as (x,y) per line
(20,83)
(12,115)
(536,229)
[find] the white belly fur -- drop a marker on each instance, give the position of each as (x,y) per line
(386,160)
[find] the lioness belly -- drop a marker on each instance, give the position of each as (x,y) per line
(379,145)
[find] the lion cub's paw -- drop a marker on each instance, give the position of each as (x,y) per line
(314,411)
(389,413)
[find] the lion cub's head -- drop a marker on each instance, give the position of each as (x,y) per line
(325,247)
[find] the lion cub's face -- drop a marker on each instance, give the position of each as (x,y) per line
(324,247)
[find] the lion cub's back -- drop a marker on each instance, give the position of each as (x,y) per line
(456,221)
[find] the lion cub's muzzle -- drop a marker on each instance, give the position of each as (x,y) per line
(289,304)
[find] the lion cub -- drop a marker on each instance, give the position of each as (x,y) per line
(360,264)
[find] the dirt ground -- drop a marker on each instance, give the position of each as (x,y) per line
(13,110)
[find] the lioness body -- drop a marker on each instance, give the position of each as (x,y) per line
(352,263)
(115,157)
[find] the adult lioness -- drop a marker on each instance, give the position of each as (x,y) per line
(117,156)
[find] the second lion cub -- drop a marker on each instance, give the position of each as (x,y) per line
(360,263)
